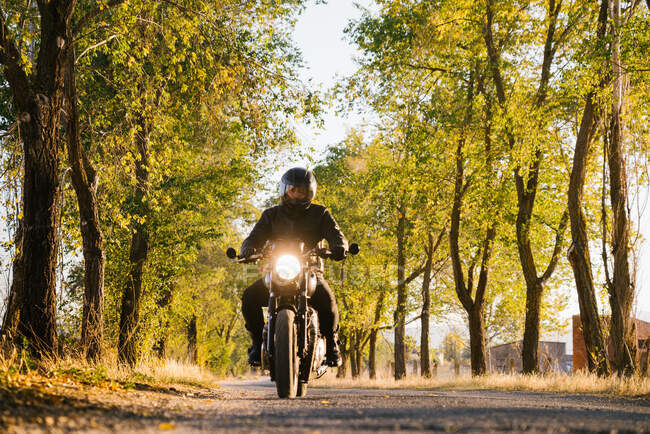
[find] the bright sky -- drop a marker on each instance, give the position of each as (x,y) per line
(327,55)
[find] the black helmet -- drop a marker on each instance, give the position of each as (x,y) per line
(304,182)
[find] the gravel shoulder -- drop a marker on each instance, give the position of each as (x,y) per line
(252,406)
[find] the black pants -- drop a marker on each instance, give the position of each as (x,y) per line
(256,296)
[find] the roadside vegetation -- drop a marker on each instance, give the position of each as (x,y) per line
(584,383)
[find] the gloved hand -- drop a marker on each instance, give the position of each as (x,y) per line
(247,252)
(339,253)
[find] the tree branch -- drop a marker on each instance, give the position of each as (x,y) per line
(86,19)
(559,241)
(414,274)
(493,54)
(13,71)
(483,274)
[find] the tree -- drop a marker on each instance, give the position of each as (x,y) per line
(38,98)
(527,178)
(579,250)
(620,286)
(85,180)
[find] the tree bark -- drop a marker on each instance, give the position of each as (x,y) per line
(12,314)
(400,310)
(127,345)
(39,104)
(477,340)
(84,180)
(192,348)
(353,354)
(621,289)
(372,342)
(425,357)
(359,350)
(579,250)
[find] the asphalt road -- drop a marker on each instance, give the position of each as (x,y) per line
(252,406)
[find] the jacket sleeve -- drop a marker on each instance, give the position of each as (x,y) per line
(260,234)
(331,231)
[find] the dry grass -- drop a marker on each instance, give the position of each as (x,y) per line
(150,371)
(559,383)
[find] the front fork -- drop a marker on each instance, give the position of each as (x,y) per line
(302,321)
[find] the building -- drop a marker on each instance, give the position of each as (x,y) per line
(506,358)
(580,352)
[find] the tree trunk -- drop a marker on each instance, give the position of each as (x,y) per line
(127,348)
(529,352)
(359,351)
(38,100)
(372,355)
(425,357)
(400,310)
(477,341)
(579,250)
(192,348)
(353,354)
(41,195)
(85,179)
(372,349)
(342,370)
(12,314)
(621,295)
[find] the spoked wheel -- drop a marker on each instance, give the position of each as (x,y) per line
(286,354)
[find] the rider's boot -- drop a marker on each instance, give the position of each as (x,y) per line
(255,351)
(333,353)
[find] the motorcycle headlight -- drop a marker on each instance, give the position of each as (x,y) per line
(287,267)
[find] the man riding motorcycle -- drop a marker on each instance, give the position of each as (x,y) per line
(296,218)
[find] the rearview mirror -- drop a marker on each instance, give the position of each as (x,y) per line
(354,249)
(231,253)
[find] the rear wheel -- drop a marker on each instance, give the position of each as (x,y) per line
(286,354)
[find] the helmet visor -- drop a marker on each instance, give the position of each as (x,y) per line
(300,193)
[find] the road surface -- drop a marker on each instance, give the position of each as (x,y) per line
(252,406)
(340,410)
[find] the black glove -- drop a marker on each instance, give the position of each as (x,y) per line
(339,253)
(247,252)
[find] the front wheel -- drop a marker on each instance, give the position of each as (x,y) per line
(286,354)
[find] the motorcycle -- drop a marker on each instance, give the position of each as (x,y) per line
(293,348)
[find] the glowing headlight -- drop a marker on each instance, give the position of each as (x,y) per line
(287,267)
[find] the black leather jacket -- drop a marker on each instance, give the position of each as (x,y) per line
(310,226)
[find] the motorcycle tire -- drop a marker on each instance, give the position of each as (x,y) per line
(286,354)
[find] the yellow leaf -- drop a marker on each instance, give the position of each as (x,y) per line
(324,401)
(166,426)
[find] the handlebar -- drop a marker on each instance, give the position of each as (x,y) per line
(323,253)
